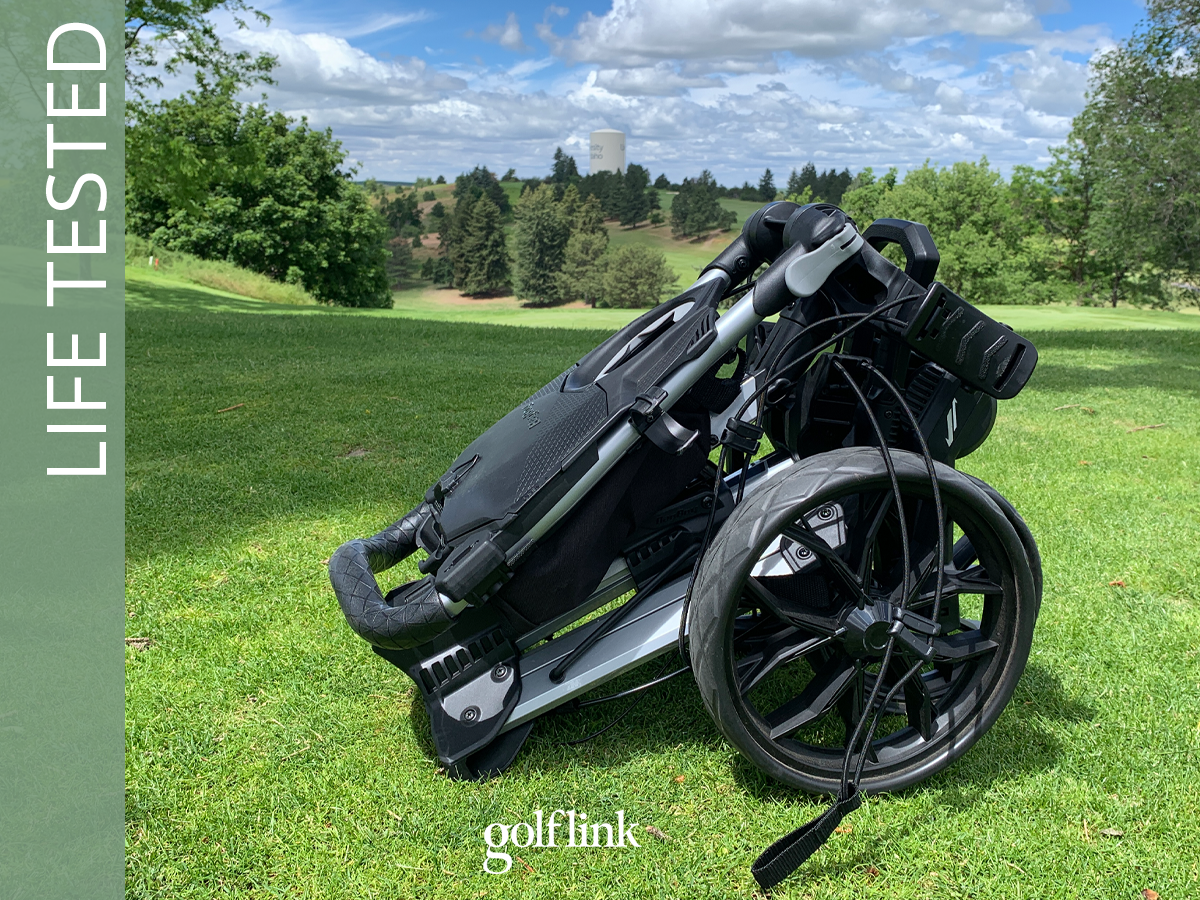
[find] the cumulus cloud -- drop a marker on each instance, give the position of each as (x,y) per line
(323,70)
(1048,83)
(718,84)
(653,81)
(643,32)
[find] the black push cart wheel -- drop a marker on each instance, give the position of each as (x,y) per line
(796,595)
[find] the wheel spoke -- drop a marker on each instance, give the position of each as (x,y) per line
(781,608)
(803,534)
(866,553)
(783,648)
(815,700)
(967,581)
(918,705)
(963,646)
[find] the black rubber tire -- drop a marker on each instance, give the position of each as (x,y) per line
(742,540)
(1027,540)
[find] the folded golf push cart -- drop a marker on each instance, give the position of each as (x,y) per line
(855,611)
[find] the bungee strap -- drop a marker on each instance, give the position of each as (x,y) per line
(791,851)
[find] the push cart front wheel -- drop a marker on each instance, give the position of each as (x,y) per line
(796,596)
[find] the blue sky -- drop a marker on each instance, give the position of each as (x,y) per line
(426,88)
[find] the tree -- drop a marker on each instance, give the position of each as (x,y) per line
(400,264)
(1058,200)
(867,195)
(968,210)
(438,270)
(806,178)
(510,175)
(636,276)
(441,179)
(177,35)
(608,188)
(402,214)
(635,200)
(695,209)
(480,181)
(795,186)
(662,183)
(766,187)
(563,171)
(1139,129)
(541,238)
(582,275)
(209,176)
(831,185)
(485,256)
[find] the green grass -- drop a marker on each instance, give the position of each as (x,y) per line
(208,273)
(270,753)
(146,289)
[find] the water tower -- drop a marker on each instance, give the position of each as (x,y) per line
(608,151)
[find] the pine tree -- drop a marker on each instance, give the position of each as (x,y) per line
(695,209)
(564,171)
(485,255)
(634,204)
(453,238)
(766,187)
(541,239)
(794,184)
(582,275)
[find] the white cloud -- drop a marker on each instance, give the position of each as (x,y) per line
(643,32)
(324,71)
(718,84)
(1048,83)
(653,81)
(507,35)
(384,23)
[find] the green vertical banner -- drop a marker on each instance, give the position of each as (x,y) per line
(62,451)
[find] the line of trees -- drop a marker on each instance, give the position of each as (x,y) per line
(559,249)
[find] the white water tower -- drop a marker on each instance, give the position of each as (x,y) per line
(608,151)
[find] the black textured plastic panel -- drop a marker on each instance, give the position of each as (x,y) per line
(573,422)
(668,359)
(555,385)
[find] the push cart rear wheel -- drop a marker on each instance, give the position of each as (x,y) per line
(790,614)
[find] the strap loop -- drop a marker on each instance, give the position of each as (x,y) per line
(791,851)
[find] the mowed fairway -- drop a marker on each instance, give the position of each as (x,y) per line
(271,754)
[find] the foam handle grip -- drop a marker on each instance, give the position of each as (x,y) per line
(409,615)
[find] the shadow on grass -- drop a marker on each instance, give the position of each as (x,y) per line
(669,715)
(1173,361)
(1018,744)
(145,294)
(673,715)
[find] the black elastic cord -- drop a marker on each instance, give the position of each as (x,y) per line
(863,318)
(791,851)
(658,679)
(718,479)
(886,452)
(933,483)
(608,624)
(653,682)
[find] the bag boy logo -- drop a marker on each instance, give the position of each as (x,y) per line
(523,834)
